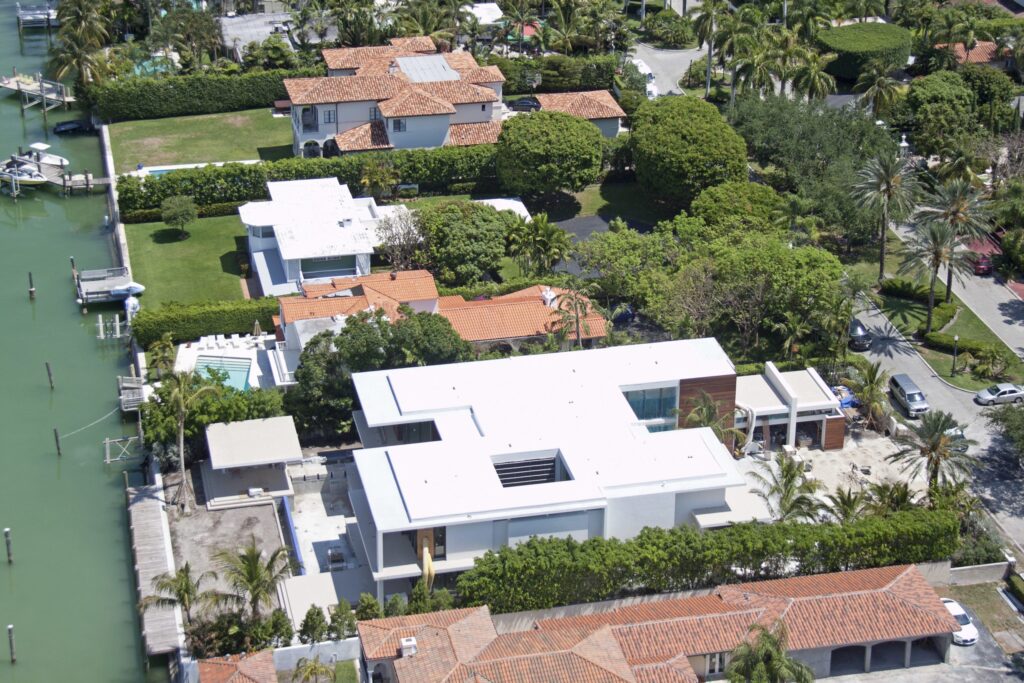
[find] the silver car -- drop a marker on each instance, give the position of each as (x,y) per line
(1000,393)
(908,395)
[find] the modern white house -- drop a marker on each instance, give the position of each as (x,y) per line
(460,459)
(310,230)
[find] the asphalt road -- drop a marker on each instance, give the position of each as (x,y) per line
(668,66)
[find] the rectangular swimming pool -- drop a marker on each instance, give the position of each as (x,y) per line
(237,369)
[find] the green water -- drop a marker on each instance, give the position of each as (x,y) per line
(70,591)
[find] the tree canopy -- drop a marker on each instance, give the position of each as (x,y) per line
(463,240)
(547,152)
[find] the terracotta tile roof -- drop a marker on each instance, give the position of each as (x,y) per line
(983,53)
(677,671)
(461,61)
(655,610)
(483,74)
(518,315)
(423,44)
(463,134)
(372,135)
(257,667)
(294,308)
(358,57)
(660,641)
(458,92)
(381,638)
(593,104)
(415,101)
(331,89)
(406,286)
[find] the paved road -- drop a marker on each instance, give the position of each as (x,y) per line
(668,66)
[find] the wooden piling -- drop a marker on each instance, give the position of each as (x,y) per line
(56,439)
(31,286)
(7,542)
(10,643)
(49,374)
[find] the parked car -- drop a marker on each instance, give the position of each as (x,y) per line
(524,104)
(908,395)
(77,127)
(642,67)
(1000,393)
(860,338)
(968,633)
(652,91)
(982,264)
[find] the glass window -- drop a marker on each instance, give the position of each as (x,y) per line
(398,125)
(374,113)
(653,404)
(328,267)
(328,116)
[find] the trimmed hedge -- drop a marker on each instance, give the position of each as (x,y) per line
(129,99)
(548,572)
(489,289)
(908,289)
(1016,584)
(187,322)
(857,44)
(944,342)
(942,315)
(435,170)
(205,211)
(782,365)
(558,73)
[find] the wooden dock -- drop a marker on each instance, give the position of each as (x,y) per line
(151,549)
(37,90)
(36,16)
(61,176)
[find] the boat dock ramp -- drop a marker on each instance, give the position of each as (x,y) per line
(36,16)
(103,285)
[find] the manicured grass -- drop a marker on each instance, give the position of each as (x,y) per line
(509,269)
(232,136)
(942,364)
(865,260)
(906,315)
(345,672)
(969,326)
(423,202)
(201,268)
(988,605)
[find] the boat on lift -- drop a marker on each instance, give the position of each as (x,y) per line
(41,154)
(23,174)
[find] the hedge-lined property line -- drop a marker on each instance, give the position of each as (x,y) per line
(187,322)
(857,44)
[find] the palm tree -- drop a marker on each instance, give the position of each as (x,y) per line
(787,52)
(961,207)
(810,17)
(521,14)
(763,657)
(787,492)
(180,589)
(253,579)
(968,30)
(869,386)
(887,185)
(77,56)
(422,18)
(890,496)
(312,670)
(862,9)
(186,388)
(708,16)
(937,448)
(880,89)
(793,328)
(811,79)
(84,19)
(847,505)
(574,307)
(706,412)
(566,22)
(957,162)
(933,246)
(734,36)
(756,70)
(162,353)
(538,245)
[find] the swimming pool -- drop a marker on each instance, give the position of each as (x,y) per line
(237,369)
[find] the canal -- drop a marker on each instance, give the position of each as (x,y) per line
(70,591)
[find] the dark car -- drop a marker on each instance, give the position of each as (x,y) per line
(79,127)
(524,104)
(860,338)
(982,264)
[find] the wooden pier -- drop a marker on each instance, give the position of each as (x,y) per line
(61,176)
(36,16)
(37,90)
(102,285)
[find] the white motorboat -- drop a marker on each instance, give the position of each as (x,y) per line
(22,173)
(39,153)
(128,290)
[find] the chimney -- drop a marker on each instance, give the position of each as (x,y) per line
(408,648)
(394,274)
(549,297)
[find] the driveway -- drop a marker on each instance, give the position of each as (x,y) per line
(668,66)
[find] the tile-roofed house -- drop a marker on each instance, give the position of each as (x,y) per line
(414,101)
(330,90)
(984,52)
(423,44)
(464,134)
(364,138)
(256,667)
(597,106)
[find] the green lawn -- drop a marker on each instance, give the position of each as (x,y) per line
(987,605)
(865,260)
(345,672)
(203,267)
(231,136)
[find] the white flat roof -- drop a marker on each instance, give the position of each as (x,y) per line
(514,204)
(486,12)
(571,402)
(756,392)
(253,442)
(810,390)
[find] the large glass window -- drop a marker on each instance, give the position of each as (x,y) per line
(328,267)
(309,120)
(653,404)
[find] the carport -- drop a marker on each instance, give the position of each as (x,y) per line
(886,655)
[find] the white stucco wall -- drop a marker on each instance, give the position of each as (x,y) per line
(421,131)
(627,516)
(473,113)
(469,540)
(424,306)
(608,127)
(362,264)
(686,503)
(260,243)
(573,524)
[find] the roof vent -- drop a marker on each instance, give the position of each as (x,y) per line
(394,274)
(408,646)
(549,297)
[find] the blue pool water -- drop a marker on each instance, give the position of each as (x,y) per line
(237,369)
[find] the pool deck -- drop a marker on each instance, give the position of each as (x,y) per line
(234,348)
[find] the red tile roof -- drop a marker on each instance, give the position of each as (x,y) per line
(421,44)
(459,92)
(402,285)
(349,295)
(593,104)
(358,57)
(257,667)
(415,101)
(369,136)
(463,134)
(984,52)
(331,89)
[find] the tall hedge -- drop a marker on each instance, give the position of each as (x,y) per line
(549,572)
(156,98)
(857,44)
(548,151)
(434,170)
(557,73)
(187,322)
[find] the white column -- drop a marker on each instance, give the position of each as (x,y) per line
(906,654)
(867,659)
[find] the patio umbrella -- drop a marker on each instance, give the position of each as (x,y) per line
(257,331)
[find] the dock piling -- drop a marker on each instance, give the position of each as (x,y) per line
(31,287)
(7,542)
(56,439)
(49,374)
(10,643)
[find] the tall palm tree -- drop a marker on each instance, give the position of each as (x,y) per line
(312,671)
(705,411)
(847,505)
(809,18)
(763,657)
(186,388)
(756,70)
(968,30)
(936,448)
(787,53)
(574,307)
(793,328)
(880,89)
(869,386)
(708,16)
(181,589)
(735,36)
(933,246)
(811,79)
(566,22)
(887,185)
(538,245)
(78,56)
(85,20)
(162,353)
(790,495)
(521,14)
(961,207)
(890,496)
(253,579)
(862,9)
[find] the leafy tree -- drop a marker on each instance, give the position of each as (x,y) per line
(279,626)
(181,589)
(368,608)
(322,400)
(538,245)
(964,211)
(312,670)
(547,152)
(313,628)
(178,212)
(630,265)
(940,125)
(395,606)
(162,354)
(934,245)
(343,621)
(1008,420)
(681,146)
(764,658)
(400,239)
(441,599)
(428,339)
(419,599)
(739,203)
(788,493)
(936,448)
(253,579)
(989,84)
(887,186)
(869,385)
(463,240)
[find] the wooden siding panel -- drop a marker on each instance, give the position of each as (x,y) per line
(835,433)
(722,389)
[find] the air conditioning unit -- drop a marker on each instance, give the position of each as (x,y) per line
(408,647)
(255,492)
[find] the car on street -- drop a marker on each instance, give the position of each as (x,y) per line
(968,633)
(76,127)
(525,104)
(642,67)
(982,264)
(860,338)
(1000,393)
(908,395)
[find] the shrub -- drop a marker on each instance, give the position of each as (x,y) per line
(546,152)
(749,204)
(489,289)
(1016,584)
(155,98)
(941,87)
(942,315)
(944,342)
(205,211)
(857,44)
(187,322)
(556,73)
(669,29)
(433,169)
(902,288)
(682,145)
